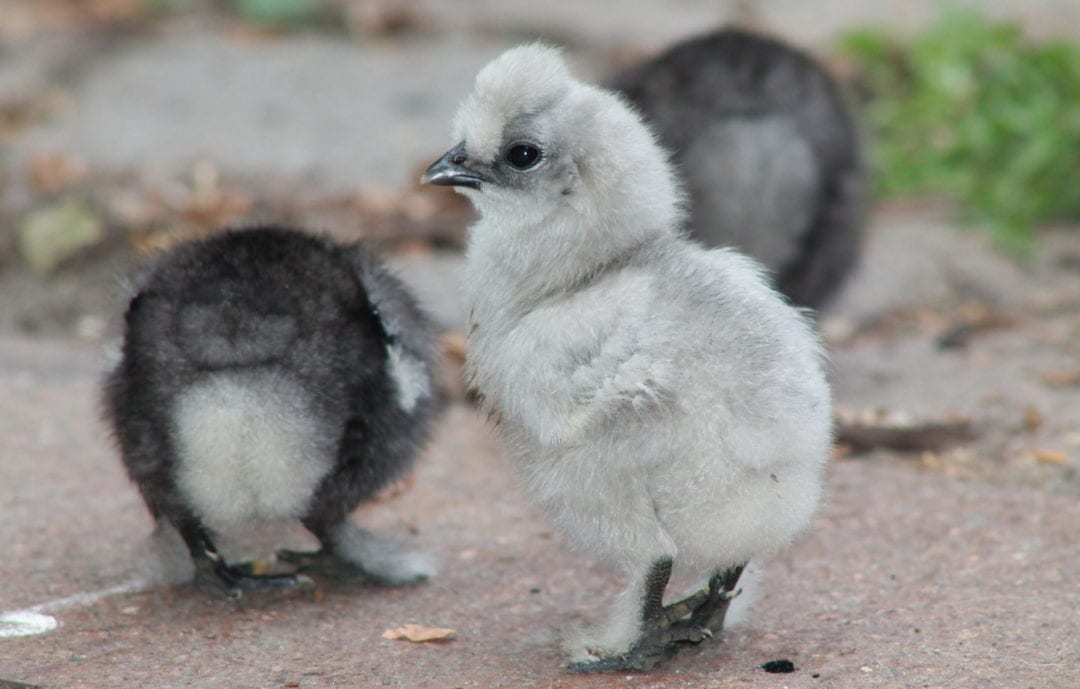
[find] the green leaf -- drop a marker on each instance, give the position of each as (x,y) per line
(50,236)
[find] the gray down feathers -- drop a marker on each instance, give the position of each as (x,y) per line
(768,151)
(660,400)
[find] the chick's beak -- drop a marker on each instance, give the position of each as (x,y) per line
(450,170)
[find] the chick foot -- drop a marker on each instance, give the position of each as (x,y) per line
(685,607)
(659,644)
(710,614)
(352,555)
(663,628)
(324,563)
(215,576)
(690,621)
(406,569)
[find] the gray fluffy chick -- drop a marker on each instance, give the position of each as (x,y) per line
(268,374)
(768,150)
(663,403)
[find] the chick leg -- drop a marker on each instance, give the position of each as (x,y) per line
(215,576)
(661,634)
(352,554)
(711,613)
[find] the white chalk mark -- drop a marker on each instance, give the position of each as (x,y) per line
(25,623)
(33,620)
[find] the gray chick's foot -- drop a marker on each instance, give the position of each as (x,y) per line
(658,645)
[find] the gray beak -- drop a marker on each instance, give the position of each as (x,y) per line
(450,170)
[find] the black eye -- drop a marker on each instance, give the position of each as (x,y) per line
(523,156)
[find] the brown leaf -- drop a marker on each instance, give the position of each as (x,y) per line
(1033,418)
(51,173)
(260,566)
(385,17)
(1047,456)
(1062,378)
(418,633)
(111,11)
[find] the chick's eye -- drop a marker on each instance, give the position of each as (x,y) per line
(523,156)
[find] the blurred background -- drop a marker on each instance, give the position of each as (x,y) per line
(129,125)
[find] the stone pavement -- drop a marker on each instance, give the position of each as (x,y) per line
(907,579)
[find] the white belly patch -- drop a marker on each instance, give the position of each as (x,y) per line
(250,448)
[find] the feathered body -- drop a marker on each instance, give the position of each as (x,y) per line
(269,374)
(662,401)
(768,150)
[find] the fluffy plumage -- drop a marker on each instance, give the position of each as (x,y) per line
(268,374)
(768,150)
(663,403)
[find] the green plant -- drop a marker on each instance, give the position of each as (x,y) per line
(284,13)
(281,12)
(971,110)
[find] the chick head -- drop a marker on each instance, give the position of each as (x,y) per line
(533,142)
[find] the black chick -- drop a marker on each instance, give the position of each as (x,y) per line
(768,152)
(270,374)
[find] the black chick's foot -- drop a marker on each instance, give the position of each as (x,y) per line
(325,563)
(361,557)
(216,577)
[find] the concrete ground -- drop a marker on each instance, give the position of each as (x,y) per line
(949,566)
(908,578)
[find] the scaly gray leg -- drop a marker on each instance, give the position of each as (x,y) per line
(711,613)
(662,631)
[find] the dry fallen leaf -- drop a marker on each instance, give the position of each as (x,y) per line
(51,173)
(418,633)
(1033,418)
(1047,456)
(385,17)
(260,566)
(110,11)
(1062,379)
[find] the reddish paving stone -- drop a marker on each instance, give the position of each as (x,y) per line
(908,579)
